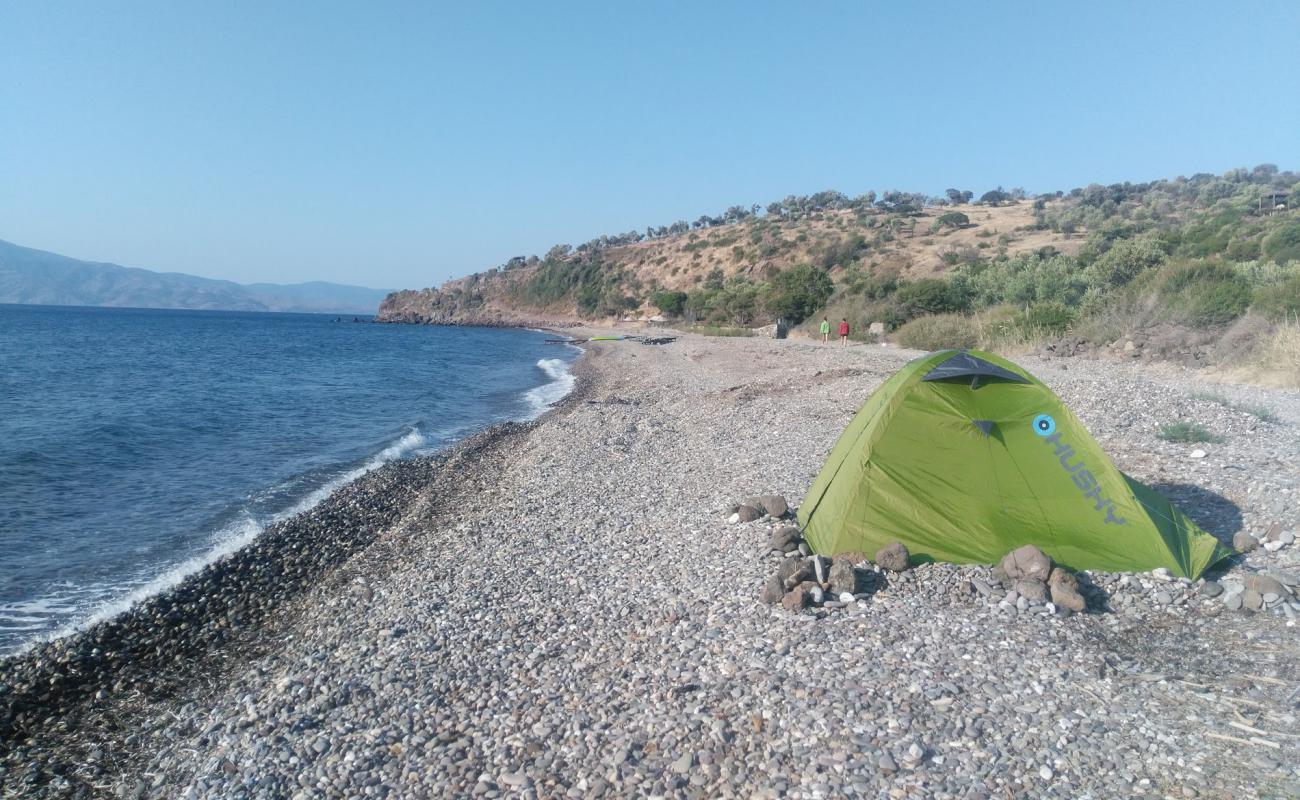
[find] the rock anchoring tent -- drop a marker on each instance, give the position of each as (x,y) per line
(963,456)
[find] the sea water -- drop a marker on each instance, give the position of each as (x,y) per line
(137,446)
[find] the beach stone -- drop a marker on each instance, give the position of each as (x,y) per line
(748,513)
(784,539)
(894,557)
(1252,600)
(1243,542)
(773,590)
(793,571)
(1030,589)
(1273,532)
(843,577)
(852,557)
(1067,596)
(821,569)
(982,587)
(797,599)
(1212,589)
(1063,577)
(773,504)
(1264,584)
(1232,601)
(1286,537)
(1164,598)
(1026,562)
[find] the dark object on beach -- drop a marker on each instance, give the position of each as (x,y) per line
(894,557)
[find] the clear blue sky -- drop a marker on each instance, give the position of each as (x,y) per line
(398,144)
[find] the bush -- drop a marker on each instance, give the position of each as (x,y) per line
(1125,261)
(797,292)
(931,296)
(1279,301)
(953,219)
(1051,317)
(1188,433)
(671,303)
(1283,244)
(1203,292)
(938,332)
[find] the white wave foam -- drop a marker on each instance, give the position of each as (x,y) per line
(225,542)
(548,394)
(410,441)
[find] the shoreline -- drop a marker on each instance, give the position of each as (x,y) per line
(565,611)
(216,618)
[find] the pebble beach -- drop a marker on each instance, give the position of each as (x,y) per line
(564,608)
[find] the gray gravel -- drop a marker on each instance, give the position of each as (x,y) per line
(570,613)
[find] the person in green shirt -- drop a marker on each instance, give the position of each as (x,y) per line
(826,330)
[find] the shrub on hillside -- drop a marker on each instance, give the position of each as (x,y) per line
(1283,244)
(1025,278)
(796,293)
(931,296)
(1279,301)
(1202,292)
(953,219)
(1124,261)
(938,332)
(671,303)
(1049,318)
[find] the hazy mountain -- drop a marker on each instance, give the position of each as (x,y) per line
(30,276)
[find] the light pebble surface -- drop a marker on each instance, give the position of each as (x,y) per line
(579,618)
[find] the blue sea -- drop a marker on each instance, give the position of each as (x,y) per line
(136,446)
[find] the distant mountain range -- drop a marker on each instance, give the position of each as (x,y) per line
(36,277)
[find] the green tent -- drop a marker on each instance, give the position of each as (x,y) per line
(963,456)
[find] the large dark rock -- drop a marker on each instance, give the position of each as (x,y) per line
(748,513)
(1063,587)
(785,539)
(894,557)
(1027,562)
(1243,542)
(773,504)
(794,571)
(798,598)
(843,577)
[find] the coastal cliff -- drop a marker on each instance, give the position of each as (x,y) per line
(468,301)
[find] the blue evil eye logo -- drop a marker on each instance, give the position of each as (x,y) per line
(1044,425)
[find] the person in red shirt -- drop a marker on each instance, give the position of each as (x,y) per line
(844,332)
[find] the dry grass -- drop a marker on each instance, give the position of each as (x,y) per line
(1274,361)
(682,262)
(1279,358)
(998,332)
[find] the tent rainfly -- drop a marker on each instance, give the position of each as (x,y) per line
(963,456)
